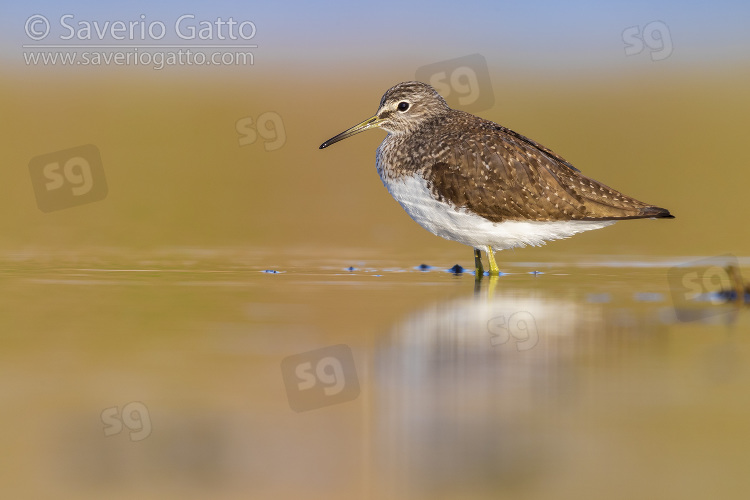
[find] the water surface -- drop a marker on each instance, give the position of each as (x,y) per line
(577,379)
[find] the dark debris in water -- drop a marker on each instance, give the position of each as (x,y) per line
(457,269)
(740,291)
(271,271)
(351,268)
(424,267)
(732,296)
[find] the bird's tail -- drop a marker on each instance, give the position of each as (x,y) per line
(656,213)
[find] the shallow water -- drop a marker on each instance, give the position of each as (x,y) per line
(195,373)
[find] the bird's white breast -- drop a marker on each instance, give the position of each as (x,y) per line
(459,224)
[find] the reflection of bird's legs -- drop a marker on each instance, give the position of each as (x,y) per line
(479,270)
(737,284)
(494,270)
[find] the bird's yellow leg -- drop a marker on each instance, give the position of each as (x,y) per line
(479,270)
(494,270)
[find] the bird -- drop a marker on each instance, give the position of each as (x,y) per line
(470,180)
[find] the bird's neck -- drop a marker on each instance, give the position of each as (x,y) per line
(395,158)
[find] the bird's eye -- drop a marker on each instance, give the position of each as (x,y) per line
(403,106)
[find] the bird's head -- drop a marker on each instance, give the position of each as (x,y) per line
(403,108)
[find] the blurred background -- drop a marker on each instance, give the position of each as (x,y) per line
(647,97)
(163,156)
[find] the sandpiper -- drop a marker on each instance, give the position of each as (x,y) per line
(471,180)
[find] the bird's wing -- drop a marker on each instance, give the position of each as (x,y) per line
(502,175)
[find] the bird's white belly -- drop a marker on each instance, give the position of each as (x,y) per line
(460,225)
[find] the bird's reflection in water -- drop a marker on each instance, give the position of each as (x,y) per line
(467,392)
